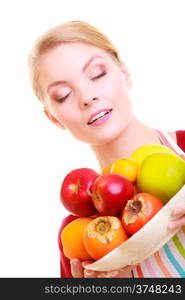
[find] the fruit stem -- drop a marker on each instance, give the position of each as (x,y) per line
(135,208)
(102,227)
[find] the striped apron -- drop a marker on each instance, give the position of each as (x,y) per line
(169,261)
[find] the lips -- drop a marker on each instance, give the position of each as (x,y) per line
(101,114)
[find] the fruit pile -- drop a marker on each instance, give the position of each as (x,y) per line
(114,204)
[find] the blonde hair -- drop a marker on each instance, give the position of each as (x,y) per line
(73,31)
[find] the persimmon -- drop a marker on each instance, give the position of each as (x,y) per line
(72,239)
(138,211)
(102,235)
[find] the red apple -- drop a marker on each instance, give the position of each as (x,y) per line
(75,193)
(110,193)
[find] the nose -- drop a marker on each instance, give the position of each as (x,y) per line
(84,103)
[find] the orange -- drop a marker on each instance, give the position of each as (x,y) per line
(105,170)
(102,235)
(126,167)
(72,239)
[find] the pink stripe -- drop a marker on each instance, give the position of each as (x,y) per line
(166,142)
(150,269)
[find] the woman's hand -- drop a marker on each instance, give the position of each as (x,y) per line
(180,221)
(77,270)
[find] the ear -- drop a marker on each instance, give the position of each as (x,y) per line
(127,76)
(52,118)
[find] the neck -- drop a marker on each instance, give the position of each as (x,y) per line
(133,136)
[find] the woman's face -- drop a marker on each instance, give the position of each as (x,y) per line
(85,91)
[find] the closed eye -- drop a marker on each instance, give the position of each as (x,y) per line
(100,75)
(60,100)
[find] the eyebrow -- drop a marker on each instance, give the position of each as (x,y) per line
(59,82)
(90,61)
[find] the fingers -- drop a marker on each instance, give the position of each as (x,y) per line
(96,274)
(124,272)
(129,268)
(90,274)
(119,273)
(180,213)
(86,262)
(177,223)
(76,268)
(111,274)
(78,271)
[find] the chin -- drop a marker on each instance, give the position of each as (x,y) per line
(106,133)
(106,136)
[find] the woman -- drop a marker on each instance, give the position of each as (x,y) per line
(84,86)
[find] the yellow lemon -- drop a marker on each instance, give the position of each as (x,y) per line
(143,151)
(126,167)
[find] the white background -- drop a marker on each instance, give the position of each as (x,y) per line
(35,155)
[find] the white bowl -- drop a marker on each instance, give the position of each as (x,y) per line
(145,242)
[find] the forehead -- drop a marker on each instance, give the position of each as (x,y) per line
(66,61)
(71,48)
(70,54)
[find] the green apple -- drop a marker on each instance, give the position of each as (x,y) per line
(162,175)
